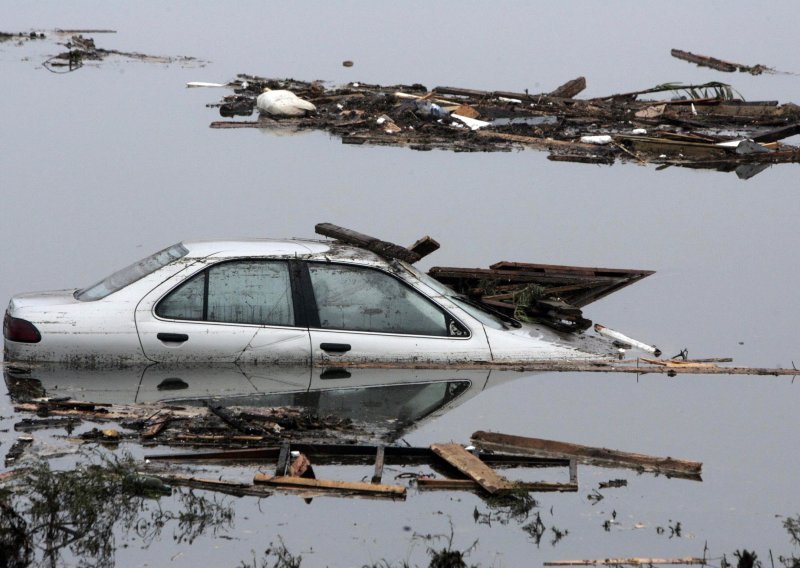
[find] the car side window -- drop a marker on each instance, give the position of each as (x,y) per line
(247,292)
(361,299)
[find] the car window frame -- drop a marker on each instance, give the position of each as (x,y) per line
(298,305)
(312,313)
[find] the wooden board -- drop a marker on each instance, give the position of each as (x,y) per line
(600,456)
(469,484)
(330,485)
(379,247)
(472,467)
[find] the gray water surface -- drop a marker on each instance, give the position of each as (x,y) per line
(105,165)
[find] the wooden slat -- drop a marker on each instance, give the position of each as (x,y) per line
(469,484)
(157,425)
(627,561)
(380,455)
(331,485)
(283,459)
(379,247)
(602,456)
(472,467)
(569,89)
(424,246)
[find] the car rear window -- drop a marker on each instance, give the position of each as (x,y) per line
(131,274)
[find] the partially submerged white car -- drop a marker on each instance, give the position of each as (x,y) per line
(277,302)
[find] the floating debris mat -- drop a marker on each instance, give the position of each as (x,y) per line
(702,126)
(546,293)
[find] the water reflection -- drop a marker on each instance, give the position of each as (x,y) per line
(389,402)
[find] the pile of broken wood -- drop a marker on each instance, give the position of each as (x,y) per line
(698,126)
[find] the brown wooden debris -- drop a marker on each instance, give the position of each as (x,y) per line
(587,454)
(472,467)
(379,247)
(335,486)
(719,64)
(424,246)
(627,561)
(470,485)
(699,115)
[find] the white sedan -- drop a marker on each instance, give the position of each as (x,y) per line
(271,301)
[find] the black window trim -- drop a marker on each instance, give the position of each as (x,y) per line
(295,286)
(310,303)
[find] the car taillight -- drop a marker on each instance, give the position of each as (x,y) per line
(20,330)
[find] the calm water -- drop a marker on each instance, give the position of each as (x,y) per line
(110,163)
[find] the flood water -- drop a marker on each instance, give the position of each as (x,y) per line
(107,164)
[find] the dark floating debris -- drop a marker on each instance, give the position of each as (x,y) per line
(706,126)
(719,64)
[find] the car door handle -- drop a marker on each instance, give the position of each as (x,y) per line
(173,337)
(335,347)
(328,374)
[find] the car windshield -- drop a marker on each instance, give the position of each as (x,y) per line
(475,309)
(131,274)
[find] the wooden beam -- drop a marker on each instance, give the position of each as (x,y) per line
(380,455)
(379,247)
(627,561)
(424,246)
(331,485)
(586,454)
(469,484)
(283,459)
(569,89)
(472,467)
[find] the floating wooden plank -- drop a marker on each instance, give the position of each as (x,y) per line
(472,467)
(424,246)
(470,484)
(569,89)
(627,561)
(718,64)
(587,454)
(283,459)
(220,486)
(379,247)
(157,425)
(380,455)
(330,485)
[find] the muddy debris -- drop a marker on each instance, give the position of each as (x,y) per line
(707,126)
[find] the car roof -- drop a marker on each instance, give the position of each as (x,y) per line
(281,248)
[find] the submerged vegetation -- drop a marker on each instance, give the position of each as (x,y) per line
(47,513)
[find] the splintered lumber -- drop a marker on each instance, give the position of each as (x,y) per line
(469,484)
(220,486)
(569,89)
(330,485)
(586,454)
(627,561)
(157,425)
(425,246)
(472,467)
(718,64)
(379,247)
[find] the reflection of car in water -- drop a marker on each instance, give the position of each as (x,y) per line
(268,301)
(389,400)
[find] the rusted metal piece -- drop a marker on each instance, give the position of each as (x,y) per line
(586,454)
(379,247)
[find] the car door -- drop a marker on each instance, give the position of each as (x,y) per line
(360,313)
(240,309)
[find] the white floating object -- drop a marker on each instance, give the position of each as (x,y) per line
(192,84)
(283,103)
(603,330)
(473,123)
(600,139)
(381,120)
(638,131)
(694,110)
(507,100)
(356,84)
(295,453)
(729,143)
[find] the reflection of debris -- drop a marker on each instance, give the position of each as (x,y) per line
(586,454)
(684,131)
(719,64)
(613,483)
(627,561)
(17,449)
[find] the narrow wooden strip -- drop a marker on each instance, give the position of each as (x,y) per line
(380,455)
(283,459)
(627,561)
(329,484)
(379,247)
(537,446)
(472,467)
(469,484)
